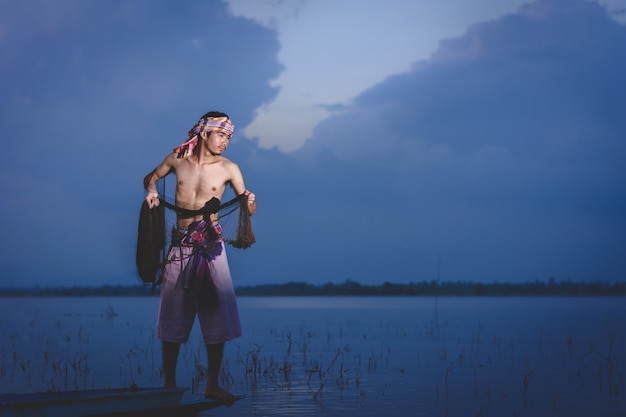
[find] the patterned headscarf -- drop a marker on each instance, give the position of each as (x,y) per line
(204,125)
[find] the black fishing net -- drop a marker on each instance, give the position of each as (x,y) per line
(155,226)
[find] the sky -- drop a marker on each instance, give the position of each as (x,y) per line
(401,142)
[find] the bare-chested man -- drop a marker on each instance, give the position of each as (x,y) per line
(202,174)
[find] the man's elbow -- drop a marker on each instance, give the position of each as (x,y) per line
(147,179)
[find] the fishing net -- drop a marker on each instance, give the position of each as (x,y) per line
(155,226)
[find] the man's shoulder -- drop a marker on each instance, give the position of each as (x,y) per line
(228,163)
(172,158)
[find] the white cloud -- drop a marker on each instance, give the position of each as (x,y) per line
(616,9)
(334,50)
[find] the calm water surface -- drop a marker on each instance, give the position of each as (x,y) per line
(338,356)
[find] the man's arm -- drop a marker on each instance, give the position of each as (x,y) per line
(240,188)
(149,182)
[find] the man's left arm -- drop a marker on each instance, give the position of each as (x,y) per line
(240,188)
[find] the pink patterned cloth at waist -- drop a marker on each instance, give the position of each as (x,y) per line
(199,234)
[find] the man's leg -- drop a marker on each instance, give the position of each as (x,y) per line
(215,354)
(170,357)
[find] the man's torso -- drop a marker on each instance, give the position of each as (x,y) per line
(198,183)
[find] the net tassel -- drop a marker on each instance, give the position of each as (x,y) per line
(245,236)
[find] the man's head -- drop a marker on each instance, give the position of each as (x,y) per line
(212,121)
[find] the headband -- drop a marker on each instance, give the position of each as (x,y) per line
(204,125)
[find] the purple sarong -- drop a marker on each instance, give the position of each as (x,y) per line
(197,281)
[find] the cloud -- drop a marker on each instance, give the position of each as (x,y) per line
(502,152)
(334,51)
(94,104)
(498,86)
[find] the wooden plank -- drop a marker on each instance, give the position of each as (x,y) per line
(88,402)
(185,408)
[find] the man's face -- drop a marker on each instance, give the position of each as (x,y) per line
(215,141)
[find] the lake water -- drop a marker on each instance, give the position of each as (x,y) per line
(342,356)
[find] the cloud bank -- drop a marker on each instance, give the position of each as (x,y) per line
(500,155)
(333,51)
(497,155)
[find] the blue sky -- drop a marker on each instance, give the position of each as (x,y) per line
(380,139)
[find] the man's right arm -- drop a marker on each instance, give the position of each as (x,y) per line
(149,182)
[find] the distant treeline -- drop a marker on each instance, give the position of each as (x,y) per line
(349,287)
(434,288)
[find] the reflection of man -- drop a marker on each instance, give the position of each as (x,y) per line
(196,278)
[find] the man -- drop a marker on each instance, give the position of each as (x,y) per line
(196,277)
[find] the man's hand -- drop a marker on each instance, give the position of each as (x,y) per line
(152,198)
(251,196)
(251,202)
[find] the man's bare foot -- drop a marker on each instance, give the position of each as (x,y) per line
(218,393)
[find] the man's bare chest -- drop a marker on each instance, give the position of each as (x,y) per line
(204,178)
